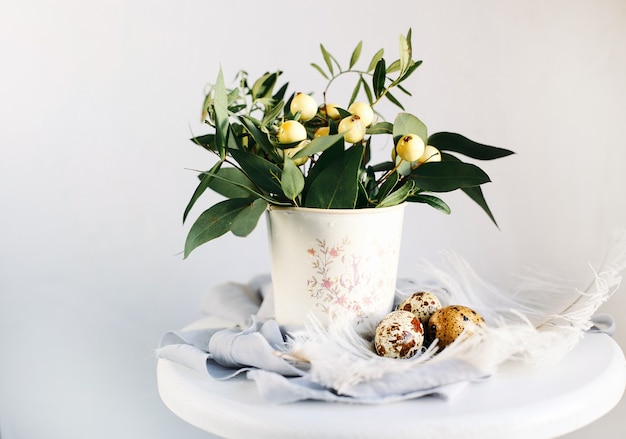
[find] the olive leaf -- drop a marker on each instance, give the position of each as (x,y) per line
(414,65)
(280,94)
(367,89)
(206,141)
(378,79)
(272,113)
(220,104)
(396,102)
(264,86)
(374,62)
(355,93)
(320,70)
(327,59)
(259,137)
(405,52)
(356,53)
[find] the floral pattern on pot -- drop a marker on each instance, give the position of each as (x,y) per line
(348,283)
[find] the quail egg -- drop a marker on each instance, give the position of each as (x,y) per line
(399,334)
(422,304)
(447,323)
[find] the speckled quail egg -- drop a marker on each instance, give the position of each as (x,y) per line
(447,323)
(399,334)
(422,304)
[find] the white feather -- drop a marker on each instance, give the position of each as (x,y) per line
(537,322)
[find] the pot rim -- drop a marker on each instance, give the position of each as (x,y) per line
(314,210)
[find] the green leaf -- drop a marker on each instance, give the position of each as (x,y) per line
(384,166)
(432,201)
(405,54)
(446,176)
(380,128)
(406,123)
(337,186)
(355,93)
(220,103)
(393,67)
(404,90)
(247,219)
(292,180)
(398,196)
(319,144)
(331,155)
(272,113)
(368,90)
(202,186)
(476,194)
(249,190)
(265,174)
(356,54)
(378,79)
(409,71)
(264,86)
(388,185)
(454,142)
(389,96)
(214,222)
(206,141)
(374,62)
(327,59)
(259,137)
(280,94)
(231,183)
(319,69)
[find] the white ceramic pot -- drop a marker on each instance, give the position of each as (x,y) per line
(334,263)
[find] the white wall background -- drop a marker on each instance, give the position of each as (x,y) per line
(96,104)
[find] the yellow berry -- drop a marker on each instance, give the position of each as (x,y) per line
(364,111)
(292,151)
(410,147)
(291,131)
(330,110)
(353,128)
(305,104)
(431,154)
(321,131)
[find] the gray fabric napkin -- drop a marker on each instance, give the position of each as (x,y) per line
(251,347)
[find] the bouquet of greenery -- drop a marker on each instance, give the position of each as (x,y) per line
(286,150)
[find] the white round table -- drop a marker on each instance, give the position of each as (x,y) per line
(517,402)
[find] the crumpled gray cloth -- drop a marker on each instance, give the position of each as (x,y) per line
(250,347)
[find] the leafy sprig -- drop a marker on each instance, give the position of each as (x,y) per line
(254,169)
